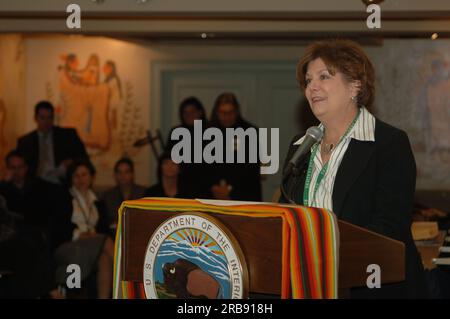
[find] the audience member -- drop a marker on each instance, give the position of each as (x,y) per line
(168,180)
(26,269)
(33,199)
(192,174)
(83,231)
(235,181)
(50,149)
(125,189)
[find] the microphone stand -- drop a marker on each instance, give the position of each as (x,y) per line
(289,177)
(287,193)
(150,139)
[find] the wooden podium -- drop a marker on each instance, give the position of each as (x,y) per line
(261,242)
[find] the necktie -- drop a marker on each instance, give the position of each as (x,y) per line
(43,155)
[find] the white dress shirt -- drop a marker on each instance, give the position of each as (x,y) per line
(363,130)
(84,214)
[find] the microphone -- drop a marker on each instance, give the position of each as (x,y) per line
(313,135)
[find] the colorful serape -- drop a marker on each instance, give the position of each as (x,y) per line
(310,252)
(133,290)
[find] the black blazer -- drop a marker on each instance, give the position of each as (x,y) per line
(374,188)
(62,226)
(66,145)
(245,178)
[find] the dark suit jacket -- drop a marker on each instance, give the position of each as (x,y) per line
(62,226)
(245,178)
(374,189)
(34,203)
(66,145)
(113,198)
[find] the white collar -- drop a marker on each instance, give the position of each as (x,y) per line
(363,130)
(91,196)
(46,134)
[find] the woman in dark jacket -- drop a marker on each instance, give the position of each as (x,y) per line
(235,181)
(362,169)
(83,231)
(169,184)
(192,174)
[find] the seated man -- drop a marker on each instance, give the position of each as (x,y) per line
(26,205)
(50,149)
(18,252)
(125,188)
(32,199)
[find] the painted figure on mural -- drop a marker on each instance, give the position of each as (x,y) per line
(88,76)
(85,102)
(437,107)
(92,96)
(115,93)
(70,67)
(91,73)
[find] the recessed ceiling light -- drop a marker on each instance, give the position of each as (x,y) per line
(204,35)
(434,36)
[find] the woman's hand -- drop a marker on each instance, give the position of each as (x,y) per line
(87,234)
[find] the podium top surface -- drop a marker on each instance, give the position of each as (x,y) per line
(261,242)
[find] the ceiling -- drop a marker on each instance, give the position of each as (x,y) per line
(255,21)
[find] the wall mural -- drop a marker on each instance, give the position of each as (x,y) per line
(12,97)
(92,100)
(414,94)
(3,144)
(436,102)
(92,97)
(100,86)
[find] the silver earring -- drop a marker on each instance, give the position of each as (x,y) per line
(354,98)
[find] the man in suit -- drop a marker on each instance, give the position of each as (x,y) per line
(33,205)
(34,200)
(50,149)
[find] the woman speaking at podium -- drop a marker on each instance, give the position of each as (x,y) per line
(362,169)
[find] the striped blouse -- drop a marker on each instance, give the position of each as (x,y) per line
(363,130)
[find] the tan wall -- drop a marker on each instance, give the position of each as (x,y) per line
(403,69)
(12,92)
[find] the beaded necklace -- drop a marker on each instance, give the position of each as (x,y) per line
(324,167)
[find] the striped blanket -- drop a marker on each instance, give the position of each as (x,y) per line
(310,251)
